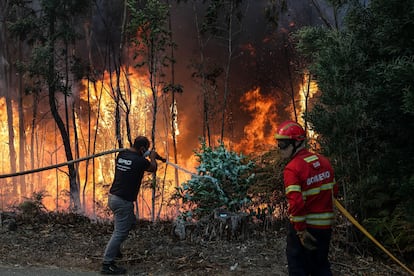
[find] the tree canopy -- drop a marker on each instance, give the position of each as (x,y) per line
(364,115)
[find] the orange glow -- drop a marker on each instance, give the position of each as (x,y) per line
(95,121)
(258,133)
(308,89)
(6,185)
(135,95)
(95,117)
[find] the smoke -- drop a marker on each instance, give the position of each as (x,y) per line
(262,58)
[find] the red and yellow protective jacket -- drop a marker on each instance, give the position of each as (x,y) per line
(310,186)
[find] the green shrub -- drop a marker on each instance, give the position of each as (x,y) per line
(222,181)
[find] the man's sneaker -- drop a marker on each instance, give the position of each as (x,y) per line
(112,269)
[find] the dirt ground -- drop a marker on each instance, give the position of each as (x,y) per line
(74,243)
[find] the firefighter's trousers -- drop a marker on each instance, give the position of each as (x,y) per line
(302,262)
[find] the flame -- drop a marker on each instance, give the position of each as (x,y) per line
(258,133)
(96,100)
(133,88)
(135,94)
(307,90)
(175,119)
(7,185)
(96,114)
(4,150)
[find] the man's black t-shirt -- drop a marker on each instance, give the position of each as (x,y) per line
(129,170)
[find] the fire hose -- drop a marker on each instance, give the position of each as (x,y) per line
(60,164)
(336,202)
(366,233)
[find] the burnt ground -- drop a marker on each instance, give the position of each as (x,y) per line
(73,242)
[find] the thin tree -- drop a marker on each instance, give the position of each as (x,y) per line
(174,89)
(7,70)
(149,25)
(224,20)
(207,77)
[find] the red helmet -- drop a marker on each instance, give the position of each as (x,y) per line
(290,130)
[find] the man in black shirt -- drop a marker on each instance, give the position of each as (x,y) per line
(130,167)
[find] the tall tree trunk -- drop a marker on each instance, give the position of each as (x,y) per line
(22,134)
(7,70)
(118,122)
(290,79)
(73,185)
(35,101)
(153,82)
(94,142)
(12,150)
(227,67)
(77,154)
(56,170)
(88,151)
(174,115)
(204,86)
(127,98)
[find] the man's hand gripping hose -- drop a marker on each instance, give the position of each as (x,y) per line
(162,159)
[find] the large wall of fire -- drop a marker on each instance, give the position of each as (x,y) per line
(260,97)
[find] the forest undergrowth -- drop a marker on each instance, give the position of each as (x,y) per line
(72,241)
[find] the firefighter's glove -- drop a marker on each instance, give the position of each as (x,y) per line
(307,240)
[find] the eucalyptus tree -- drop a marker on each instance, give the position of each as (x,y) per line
(173,88)
(149,33)
(50,28)
(205,74)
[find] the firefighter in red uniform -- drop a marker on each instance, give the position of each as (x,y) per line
(310,187)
